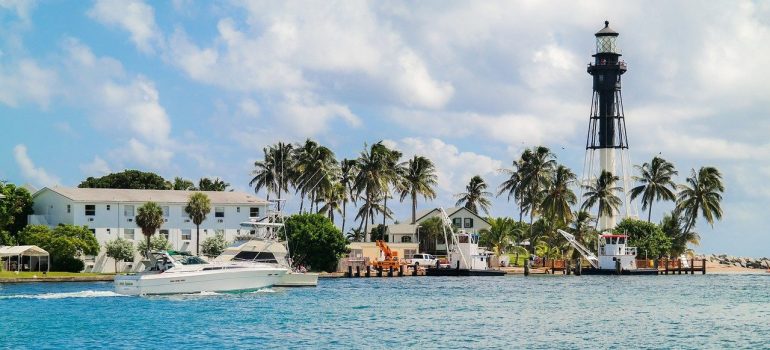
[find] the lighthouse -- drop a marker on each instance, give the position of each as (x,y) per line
(607,140)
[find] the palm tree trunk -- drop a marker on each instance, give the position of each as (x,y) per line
(197,238)
(385,210)
(344,214)
(531,230)
(414,207)
(279,198)
(302,201)
(649,214)
(148,246)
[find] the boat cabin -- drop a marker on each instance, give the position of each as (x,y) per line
(613,248)
(467,253)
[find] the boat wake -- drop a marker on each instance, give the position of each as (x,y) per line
(81,294)
(265,290)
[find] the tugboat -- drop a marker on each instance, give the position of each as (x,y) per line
(464,256)
(615,258)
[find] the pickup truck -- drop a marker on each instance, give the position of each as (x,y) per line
(423,260)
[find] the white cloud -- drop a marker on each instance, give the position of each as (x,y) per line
(26,81)
(149,156)
(37,175)
(133,16)
(454,168)
(97,167)
(249,108)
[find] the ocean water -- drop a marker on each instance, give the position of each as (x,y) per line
(639,312)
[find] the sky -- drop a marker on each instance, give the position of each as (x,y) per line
(198,88)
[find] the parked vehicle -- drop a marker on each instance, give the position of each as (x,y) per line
(424,260)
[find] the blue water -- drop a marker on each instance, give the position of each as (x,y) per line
(711,311)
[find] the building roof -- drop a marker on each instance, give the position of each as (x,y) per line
(606,31)
(140,196)
(402,228)
(449,212)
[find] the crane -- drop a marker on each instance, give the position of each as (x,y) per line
(592,259)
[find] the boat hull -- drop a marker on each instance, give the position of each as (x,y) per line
(623,272)
(296,279)
(226,280)
(462,272)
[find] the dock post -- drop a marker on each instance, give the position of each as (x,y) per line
(379,271)
(400,270)
(457,270)
(390,271)
(368,271)
(566,269)
(414,270)
(692,266)
(617,267)
(350,271)
(526,268)
(358,271)
(666,263)
(704,266)
(578,267)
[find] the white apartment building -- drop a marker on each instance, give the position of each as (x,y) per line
(110,213)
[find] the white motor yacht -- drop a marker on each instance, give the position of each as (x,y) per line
(171,272)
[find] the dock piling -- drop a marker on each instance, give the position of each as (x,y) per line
(526,268)
(350,271)
(368,271)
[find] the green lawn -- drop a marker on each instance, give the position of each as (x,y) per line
(13,274)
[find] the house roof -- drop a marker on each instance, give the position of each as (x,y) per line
(402,228)
(140,196)
(449,212)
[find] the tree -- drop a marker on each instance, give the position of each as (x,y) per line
(355,235)
(314,241)
(128,179)
(475,196)
(558,197)
(513,186)
(418,177)
(647,237)
(703,193)
(314,169)
(673,225)
(371,181)
(119,249)
(429,232)
(602,191)
(379,232)
(214,246)
(332,197)
(181,184)
(580,227)
(64,244)
(156,243)
(392,176)
(149,218)
(14,209)
(498,236)
(656,183)
(348,170)
(206,184)
(537,165)
(198,206)
(264,174)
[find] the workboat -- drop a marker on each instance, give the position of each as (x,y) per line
(465,258)
(263,246)
(172,272)
(614,258)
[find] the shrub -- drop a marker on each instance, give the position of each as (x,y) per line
(314,241)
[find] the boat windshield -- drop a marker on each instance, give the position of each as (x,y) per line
(186,259)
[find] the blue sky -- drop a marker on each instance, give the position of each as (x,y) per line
(196,89)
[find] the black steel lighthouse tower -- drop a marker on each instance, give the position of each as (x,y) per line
(607,140)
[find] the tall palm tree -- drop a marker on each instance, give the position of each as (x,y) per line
(391,173)
(673,225)
(703,193)
(602,191)
(558,197)
(149,218)
(282,158)
(348,170)
(355,235)
(581,228)
(206,184)
(181,184)
(314,168)
(370,181)
(656,183)
(418,177)
(513,185)
(197,208)
(475,196)
(265,174)
(332,197)
(538,164)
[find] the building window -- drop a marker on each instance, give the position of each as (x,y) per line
(468,222)
(165,211)
(237,209)
(164,234)
(457,222)
(128,233)
(109,232)
(406,239)
(356,254)
(69,208)
(128,211)
(186,234)
(219,212)
(90,210)
(409,253)
(254,212)
(108,207)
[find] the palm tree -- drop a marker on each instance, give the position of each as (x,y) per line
(332,197)
(513,185)
(559,197)
(181,184)
(656,183)
(538,164)
(355,235)
(150,218)
(392,174)
(264,174)
(580,227)
(498,235)
(348,170)
(475,196)
(602,192)
(206,184)
(703,193)
(198,206)
(673,225)
(418,178)
(314,169)
(370,181)
(430,231)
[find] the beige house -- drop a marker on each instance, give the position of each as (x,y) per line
(461,217)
